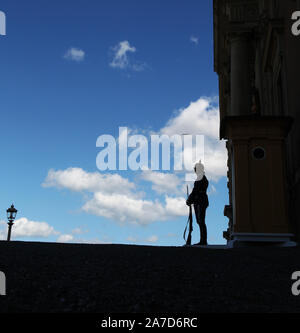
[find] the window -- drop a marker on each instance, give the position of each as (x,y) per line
(258,153)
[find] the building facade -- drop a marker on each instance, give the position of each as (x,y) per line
(257,59)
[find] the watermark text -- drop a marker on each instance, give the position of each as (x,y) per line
(2,23)
(296,284)
(154,152)
(2,284)
(296,25)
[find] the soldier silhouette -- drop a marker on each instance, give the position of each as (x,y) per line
(199,199)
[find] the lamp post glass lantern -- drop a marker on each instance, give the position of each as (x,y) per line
(11,215)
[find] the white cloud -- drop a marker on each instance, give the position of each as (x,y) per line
(78,180)
(114,197)
(3,230)
(139,67)
(65,238)
(132,239)
(162,182)
(74,54)
(152,239)
(121,51)
(194,40)
(202,118)
(95,240)
(25,228)
(176,206)
(120,200)
(171,235)
(129,209)
(121,57)
(212,190)
(199,118)
(78,231)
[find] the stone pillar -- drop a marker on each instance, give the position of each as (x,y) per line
(240,75)
(258,179)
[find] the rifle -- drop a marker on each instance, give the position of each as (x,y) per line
(189,223)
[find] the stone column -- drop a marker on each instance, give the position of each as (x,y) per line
(258,178)
(240,91)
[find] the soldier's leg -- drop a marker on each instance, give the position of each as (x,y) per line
(197,215)
(203,229)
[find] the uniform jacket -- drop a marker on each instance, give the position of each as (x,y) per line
(199,195)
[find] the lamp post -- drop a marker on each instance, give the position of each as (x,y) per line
(11,215)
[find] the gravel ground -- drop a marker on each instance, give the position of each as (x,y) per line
(52,277)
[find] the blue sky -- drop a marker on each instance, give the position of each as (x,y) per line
(63,85)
